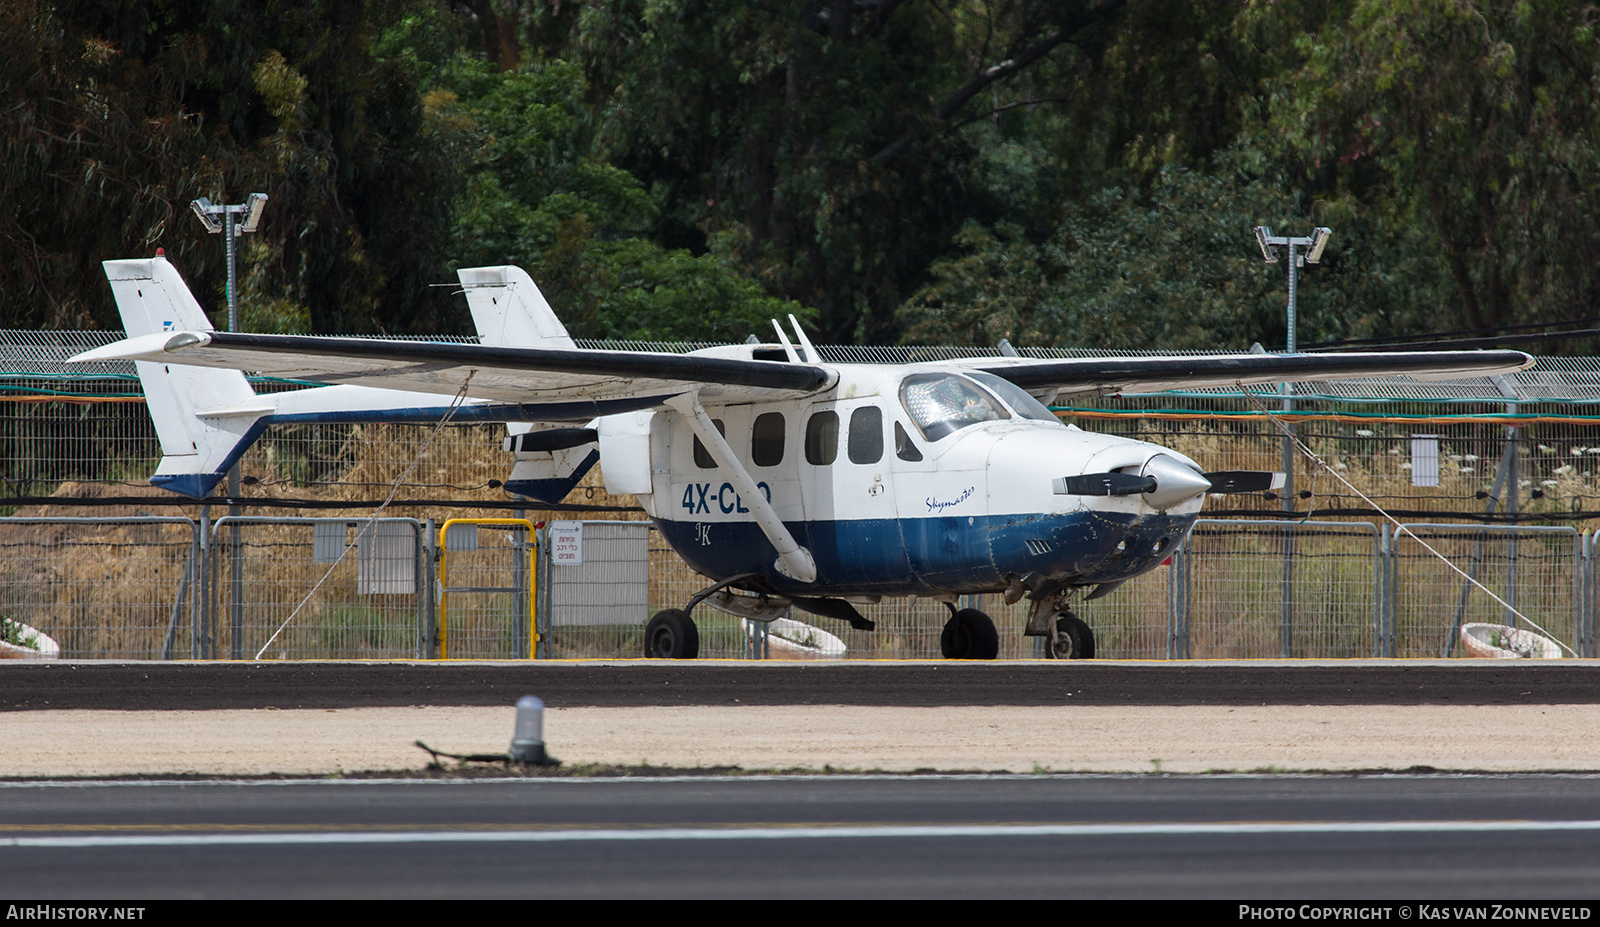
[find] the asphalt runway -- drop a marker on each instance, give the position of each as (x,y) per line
(1239,838)
(1502,837)
(151,686)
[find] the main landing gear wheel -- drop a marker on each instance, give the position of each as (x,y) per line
(672,634)
(969,635)
(1073,640)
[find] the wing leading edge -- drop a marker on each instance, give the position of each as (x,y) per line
(507,374)
(548,375)
(1153,374)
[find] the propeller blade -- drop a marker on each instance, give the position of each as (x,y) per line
(1103,484)
(1231,481)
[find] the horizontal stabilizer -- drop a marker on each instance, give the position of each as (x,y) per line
(551,439)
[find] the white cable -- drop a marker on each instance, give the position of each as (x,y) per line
(372,520)
(1306,449)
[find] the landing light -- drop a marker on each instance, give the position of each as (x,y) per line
(1319,240)
(1264,232)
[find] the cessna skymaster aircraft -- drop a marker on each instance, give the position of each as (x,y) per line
(786,480)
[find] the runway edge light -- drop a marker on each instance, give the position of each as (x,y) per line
(527,741)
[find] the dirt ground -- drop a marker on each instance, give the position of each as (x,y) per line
(1018,739)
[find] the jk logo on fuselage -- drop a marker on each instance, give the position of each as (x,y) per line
(698,499)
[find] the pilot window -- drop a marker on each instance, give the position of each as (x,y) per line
(941,404)
(866,435)
(1019,399)
(766,440)
(903,448)
(822,438)
(702,457)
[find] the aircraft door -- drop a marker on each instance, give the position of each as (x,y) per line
(941,490)
(848,491)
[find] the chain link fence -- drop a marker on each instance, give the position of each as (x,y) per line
(314,588)
(341,588)
(106,588)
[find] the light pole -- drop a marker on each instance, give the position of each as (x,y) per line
(224,219)
(1269,252)
(220,218)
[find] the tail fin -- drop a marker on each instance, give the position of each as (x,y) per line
(509,311)
(204,418)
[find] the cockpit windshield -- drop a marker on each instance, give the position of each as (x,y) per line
(1017,398)
(942,403)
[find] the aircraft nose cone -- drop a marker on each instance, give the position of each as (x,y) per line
(1175,482)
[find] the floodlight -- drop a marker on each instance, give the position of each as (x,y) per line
(208,214)
(1263,233)
(1319,240)
(252,216)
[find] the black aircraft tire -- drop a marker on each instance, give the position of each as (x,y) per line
(969,635)
(671,634)
(1073,640)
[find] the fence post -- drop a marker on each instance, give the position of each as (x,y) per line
(1178,604)
(1382,546)
(425,614)
(1391,596)
(543,592)
(519,581)
(1585,571)
(205,639)
(1287,630)
(171,637)
(1173,566)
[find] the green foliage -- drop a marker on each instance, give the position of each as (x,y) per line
(17,634)
(1069,173)
(1172,266)
(577,224)
(1476,121)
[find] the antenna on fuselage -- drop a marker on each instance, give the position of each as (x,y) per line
(787,347)
(812,357)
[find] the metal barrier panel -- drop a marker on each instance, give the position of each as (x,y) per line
(599,608)
(104,588)
(1535,569)
(610,586)
(486,592)
(328,588)
(1241,606)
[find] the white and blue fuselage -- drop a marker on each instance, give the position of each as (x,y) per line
(898,482)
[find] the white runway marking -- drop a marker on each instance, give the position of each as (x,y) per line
(797,833)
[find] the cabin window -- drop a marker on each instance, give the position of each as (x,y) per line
(822,438)
(903,448)
(941,404)
(866,435)
(702,457)
(1017,398)
(766,440)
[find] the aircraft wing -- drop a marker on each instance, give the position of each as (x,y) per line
(525,376)
(1113,375)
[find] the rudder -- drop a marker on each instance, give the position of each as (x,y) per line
(204,418)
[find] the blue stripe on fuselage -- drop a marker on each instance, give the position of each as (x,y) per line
(925,556)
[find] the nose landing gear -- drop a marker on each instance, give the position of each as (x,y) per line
(1071,640)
